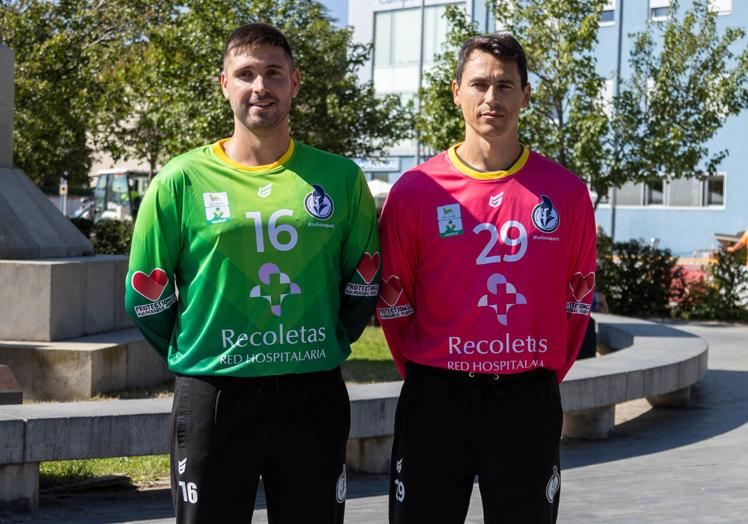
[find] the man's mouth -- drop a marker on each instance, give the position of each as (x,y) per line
(262,104)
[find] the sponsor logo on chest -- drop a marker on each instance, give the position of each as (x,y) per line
(217,208)
(449,218)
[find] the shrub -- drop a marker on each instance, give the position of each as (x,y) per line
(720,294)
(111,237)
(637,280)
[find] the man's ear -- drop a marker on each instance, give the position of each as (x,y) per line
(224,84)
(456,93)
(526,95)
(295,82)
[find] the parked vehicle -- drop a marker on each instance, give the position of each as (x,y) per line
(117,194)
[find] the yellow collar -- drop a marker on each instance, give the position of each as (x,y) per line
(221,155)
(486,175)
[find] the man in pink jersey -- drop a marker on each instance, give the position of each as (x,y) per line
(488,272)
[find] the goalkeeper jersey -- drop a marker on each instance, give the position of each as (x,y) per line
(254,271)
(487,272)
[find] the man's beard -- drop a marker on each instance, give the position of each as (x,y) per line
(269,121)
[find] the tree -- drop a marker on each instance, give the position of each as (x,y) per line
(60,47)
(164,96)
(677,98)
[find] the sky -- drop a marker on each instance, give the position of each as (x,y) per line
(338,9)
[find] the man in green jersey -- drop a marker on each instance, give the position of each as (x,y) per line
(254,265)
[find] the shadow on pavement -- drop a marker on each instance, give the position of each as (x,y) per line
(719,405)
(651,330)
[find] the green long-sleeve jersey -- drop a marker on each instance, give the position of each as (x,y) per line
(254,271)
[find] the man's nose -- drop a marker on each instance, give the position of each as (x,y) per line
(259,83)
(491,93)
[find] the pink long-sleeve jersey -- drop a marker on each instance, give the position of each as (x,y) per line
(487,272)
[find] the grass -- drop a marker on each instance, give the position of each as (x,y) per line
(141,471)
(370,361)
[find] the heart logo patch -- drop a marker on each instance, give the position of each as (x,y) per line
(582,285)
(368,266)
(150,286)
(390,290)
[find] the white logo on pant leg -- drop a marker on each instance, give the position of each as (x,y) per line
(554,483)
(342,487)
(189,491)
(399,465)
(182,465)
(399,490)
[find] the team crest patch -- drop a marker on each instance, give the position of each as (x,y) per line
(318,203)
(545,215)
(217,208)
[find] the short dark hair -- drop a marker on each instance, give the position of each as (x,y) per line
(257,34)
(501,45)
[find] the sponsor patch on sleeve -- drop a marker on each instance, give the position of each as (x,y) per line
(154,308)
(367,270)
(390,293)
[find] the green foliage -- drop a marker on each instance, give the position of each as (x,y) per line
(721,294)
(686,81)
(566,120)
(111,237)
(637,280)
(60,48)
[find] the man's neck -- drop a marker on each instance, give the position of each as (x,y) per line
(490,154)
(257,147)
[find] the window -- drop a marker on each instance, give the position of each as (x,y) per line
(678,193)
(654,192)
(397,35)
(608,14)
(714,190)
(630,194)
(396,42)
(659,10)
(721,7)
(435,31)
(684,192)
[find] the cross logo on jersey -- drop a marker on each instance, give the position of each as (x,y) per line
(503,295)
(275,286)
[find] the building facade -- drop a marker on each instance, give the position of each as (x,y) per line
(682,215)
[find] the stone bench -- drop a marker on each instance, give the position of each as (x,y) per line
(648,360)
(654,361)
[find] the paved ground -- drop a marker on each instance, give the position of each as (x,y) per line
(661,465)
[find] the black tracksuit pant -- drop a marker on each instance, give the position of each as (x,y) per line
(451,427)
(227,432)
